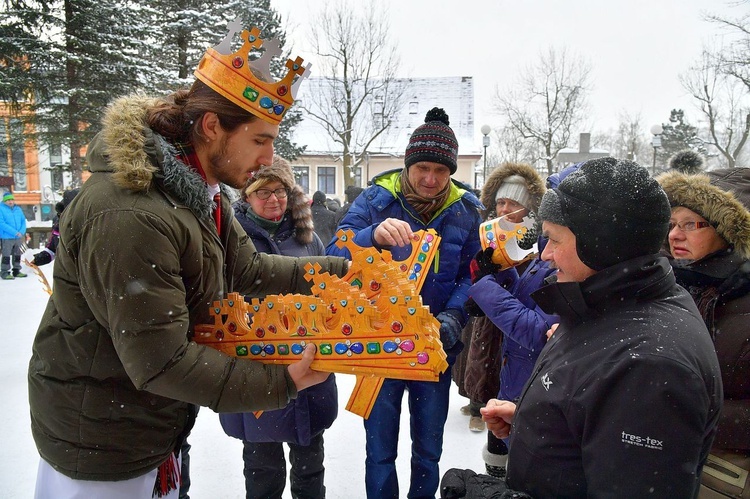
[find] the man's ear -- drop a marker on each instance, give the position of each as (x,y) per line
(210,126)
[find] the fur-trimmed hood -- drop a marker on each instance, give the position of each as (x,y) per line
(138,156)
(534,184)
(721,208)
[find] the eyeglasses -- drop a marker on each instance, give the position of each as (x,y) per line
(688,225)
(264,194)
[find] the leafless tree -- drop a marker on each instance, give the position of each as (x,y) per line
(358,95)
(511,146)
(549,101)
(724,101)
(628,141)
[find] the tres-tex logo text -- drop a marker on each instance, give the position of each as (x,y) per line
(648,442)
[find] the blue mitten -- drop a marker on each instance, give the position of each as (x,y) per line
(450,331)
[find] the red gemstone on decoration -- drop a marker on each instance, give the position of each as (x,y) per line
(397,327)
(237,62)
(302,331)
(403,267)
(282,90)
(374,285)
(219,335)
(346,329)
(260,332)
(501,237)
(232,327)
(272,329)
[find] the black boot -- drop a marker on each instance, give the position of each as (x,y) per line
(5,272)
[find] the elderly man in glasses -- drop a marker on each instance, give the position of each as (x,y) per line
(625,397)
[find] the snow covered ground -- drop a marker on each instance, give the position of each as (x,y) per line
(216,459)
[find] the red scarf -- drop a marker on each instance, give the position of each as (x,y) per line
(187,155)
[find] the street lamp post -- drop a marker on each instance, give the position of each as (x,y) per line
(656,131)
(486,129)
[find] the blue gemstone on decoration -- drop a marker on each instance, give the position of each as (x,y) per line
(357,348)
(412,277)
(393,299)
(266,103)
(297,348)
(360,309)
(369,259)
(390,346)
(255,349)
(341,348)
(269,349)
(490,236)
(278,109)
(425,247)
(343,302)
(251,38)
(270,304)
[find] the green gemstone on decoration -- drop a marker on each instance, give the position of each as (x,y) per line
(326,349)
(283,349)
(373,347)
(250,94)
(241,351)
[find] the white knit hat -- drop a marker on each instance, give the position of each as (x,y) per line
(514,187)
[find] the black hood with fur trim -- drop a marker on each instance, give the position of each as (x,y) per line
(696,192)
(534,184)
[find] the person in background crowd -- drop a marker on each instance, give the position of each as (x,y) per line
(625,397)
(12,234)
(422,195)
(48,253)
(323,218)
(275,213)
(709,249)
(351,193)
(146,247)
(501,300)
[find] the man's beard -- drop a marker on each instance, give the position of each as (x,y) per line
(218,160)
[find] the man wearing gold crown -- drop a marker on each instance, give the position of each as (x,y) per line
(420,196)
(147,246)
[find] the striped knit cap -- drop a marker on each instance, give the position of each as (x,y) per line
(434,142)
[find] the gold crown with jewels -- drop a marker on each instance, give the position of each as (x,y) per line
(247,83)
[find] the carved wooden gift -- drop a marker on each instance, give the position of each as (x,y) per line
(371,322)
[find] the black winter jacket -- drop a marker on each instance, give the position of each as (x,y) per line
(625,397)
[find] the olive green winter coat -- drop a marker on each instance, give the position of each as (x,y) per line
(113,370)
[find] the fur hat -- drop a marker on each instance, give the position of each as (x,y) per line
(512,177)
(696,192)
(297,203)
(616,211)
(434,141)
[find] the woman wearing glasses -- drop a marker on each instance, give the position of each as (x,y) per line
(709,243)
(275,214)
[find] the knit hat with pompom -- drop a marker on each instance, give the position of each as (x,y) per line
(434,142)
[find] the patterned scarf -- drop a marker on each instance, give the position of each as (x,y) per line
(426,207)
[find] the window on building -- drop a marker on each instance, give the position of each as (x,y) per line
(413,107)
(55,162)
(327,179)
(12,153)
(302,177)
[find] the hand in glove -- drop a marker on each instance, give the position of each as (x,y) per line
(473,309)
(450,331)
(484,265)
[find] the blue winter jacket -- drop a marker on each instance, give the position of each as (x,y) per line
(457,223)
(12,221)
(315,408)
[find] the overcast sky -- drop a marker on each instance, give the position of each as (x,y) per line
(637,48)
